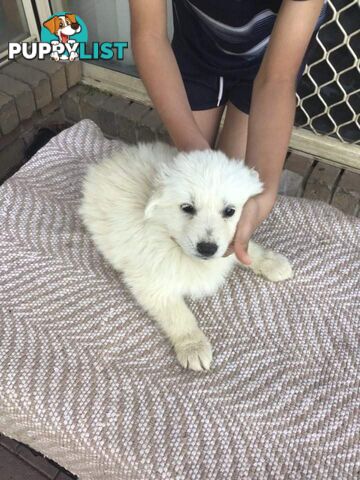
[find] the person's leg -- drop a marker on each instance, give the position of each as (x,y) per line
(208,122)
(233,136)
(203,89)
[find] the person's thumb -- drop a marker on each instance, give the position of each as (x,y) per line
(241,252)
(241,241)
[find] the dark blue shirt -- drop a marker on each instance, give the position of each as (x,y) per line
(223,36)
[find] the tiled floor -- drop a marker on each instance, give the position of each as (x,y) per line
(333,185)
(309,178)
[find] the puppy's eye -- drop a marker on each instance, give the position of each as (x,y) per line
(228,212)
(61,25)
(187,208)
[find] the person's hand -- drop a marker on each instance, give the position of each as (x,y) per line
(254,213)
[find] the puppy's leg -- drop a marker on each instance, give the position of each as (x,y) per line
(271,265)
(192,348)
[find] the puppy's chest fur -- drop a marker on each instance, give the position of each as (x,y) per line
(198,278)
(210,278)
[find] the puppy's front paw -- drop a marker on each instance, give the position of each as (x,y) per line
(275,267)
(194,351)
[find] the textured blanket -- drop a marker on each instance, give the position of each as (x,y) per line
(87,379)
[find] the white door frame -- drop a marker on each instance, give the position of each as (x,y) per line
(44,10)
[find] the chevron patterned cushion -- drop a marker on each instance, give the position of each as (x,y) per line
(87,379)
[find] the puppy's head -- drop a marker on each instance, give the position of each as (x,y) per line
(198,199)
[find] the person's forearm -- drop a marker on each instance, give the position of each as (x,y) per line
(161,76)
(270,124)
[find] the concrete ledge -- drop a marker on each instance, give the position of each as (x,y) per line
(110,115)
(38,81)
(149,126)
(9,118)
(73,71)
(130,121)
(55,71)
(71,102)
(116,116)
(22,94)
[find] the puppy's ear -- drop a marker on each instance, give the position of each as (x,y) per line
(71,17)
(249,183)
(158,195)
(52,24)
(153,202)
(256,184)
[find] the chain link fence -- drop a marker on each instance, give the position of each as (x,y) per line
(328,98)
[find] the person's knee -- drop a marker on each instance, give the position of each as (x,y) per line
(208,122)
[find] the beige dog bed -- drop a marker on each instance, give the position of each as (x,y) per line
(87,379)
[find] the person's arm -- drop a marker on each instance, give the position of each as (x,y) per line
(273,100)
(273,109)
(160,73)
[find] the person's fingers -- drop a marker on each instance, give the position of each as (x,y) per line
(242,254)
(244,231)
(254,212)
(229,250)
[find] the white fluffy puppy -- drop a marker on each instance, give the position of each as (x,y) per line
(165,219)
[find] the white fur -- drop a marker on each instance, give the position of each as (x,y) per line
(131,206)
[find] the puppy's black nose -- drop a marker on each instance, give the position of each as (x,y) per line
(75,25)
(206,249)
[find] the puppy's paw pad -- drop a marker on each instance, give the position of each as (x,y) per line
(194,352)
(276,268)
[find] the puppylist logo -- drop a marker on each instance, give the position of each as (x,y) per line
(64,36)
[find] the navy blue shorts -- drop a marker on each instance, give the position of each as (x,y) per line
(206,90)
(212,77)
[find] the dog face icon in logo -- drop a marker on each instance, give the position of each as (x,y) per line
(64,26)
